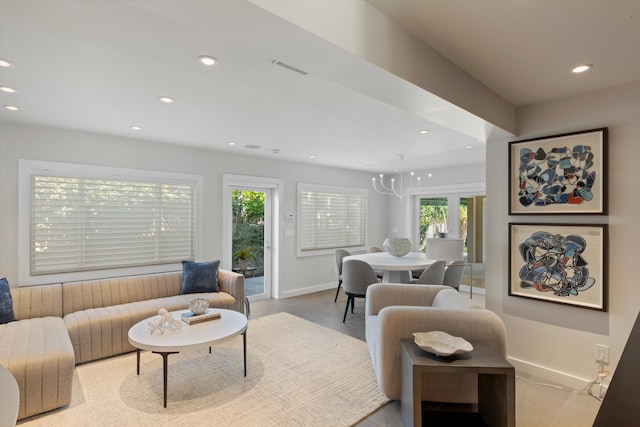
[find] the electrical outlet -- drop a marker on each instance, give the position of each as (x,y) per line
(602,353)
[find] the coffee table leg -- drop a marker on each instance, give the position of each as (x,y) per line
(138,360)
(165,368)
(244,350)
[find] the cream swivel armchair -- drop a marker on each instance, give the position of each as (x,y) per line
(394,312)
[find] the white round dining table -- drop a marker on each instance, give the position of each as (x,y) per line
(395,269)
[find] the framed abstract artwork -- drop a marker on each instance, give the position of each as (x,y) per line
(559,263)
(560,174)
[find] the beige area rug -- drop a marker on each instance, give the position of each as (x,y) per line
(299,374)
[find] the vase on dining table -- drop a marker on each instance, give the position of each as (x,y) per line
(397,246)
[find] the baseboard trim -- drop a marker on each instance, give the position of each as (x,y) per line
(309,290)
(552,375)
(467,288)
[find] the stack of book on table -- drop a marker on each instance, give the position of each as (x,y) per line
(191,318)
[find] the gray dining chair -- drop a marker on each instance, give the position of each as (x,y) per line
(373,249)
(433,274)
(357,276)
(453,274)
(340,254)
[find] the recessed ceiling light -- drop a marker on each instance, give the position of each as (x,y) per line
(7,89)
(5,64)
(312,156)
(208,60)
(11,107)
(231,143)
(582,68)
(423,131)
(136,128)
(166,99)
(468,146)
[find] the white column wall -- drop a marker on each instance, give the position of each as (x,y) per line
(554,340)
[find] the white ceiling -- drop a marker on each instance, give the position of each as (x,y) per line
(523,49)
(100,66)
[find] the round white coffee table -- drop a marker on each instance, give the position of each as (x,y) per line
(9,398)
(230,324)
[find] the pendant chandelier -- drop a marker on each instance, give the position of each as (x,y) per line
(390,188)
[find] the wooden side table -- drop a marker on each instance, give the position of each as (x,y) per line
(496,381)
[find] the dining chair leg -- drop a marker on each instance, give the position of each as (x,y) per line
(338,291)
(346,309)
(353,302)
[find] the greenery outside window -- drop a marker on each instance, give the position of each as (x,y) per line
(81,222)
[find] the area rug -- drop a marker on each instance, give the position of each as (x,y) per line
(299,374)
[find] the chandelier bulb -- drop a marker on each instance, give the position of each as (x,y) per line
(391,189)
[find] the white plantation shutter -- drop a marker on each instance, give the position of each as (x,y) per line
(80,224)
(331,217)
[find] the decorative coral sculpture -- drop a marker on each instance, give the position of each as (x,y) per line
(164,321)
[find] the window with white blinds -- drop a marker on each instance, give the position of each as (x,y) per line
(330,217)
(81,224)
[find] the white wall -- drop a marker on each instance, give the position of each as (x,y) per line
(297,275)
(554,340)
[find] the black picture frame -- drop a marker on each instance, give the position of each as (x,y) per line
(560,263)
(559,174)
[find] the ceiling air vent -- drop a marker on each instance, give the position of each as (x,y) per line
(289,67)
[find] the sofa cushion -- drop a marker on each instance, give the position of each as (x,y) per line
(37,301)
(451,298)
(6,302)
(39,354)
(78,296)
(199,277)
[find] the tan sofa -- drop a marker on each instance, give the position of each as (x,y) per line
(37,350)
(395,311)
(61,325)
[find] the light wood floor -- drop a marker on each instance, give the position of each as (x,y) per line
(538,404)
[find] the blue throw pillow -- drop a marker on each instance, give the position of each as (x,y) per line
(199,277)
(6,302)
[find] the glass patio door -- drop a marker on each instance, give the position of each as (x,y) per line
(251,239)
(250,232)
(455,215)
(434,218)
